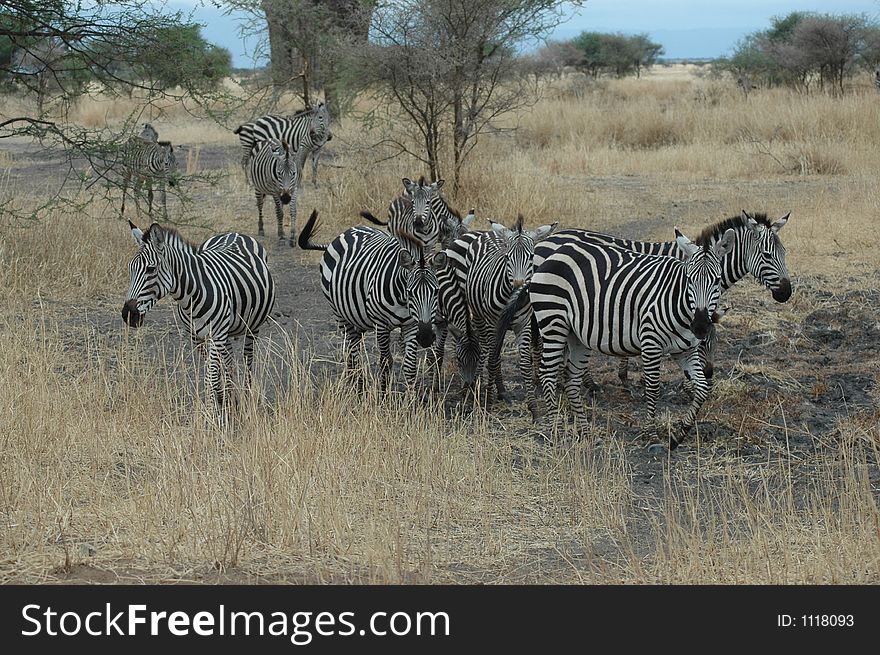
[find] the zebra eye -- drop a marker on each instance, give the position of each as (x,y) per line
(151,270)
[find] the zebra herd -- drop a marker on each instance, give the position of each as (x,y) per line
(563,293)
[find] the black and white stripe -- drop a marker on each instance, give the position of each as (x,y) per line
(273,171)
(757,250)
(588,296)
(223,289)
(146,160)
(414,213)
(376,281)
(490,267)
(305,133)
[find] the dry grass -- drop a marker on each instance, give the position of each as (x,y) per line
(108,459)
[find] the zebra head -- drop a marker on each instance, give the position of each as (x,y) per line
(422,291)
(149,133)
(453,226)
(703,272)
(150,274)
(425,224)
(319,127)
(286,172)
(766,254)
(520,249)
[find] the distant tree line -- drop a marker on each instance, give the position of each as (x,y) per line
(597,54)
(807,51)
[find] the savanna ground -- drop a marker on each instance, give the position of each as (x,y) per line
(110,471)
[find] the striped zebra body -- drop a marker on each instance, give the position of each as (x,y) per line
(413,212)
(588,296)
(223,289)
(757,250)
(146,160)
(305,133)
(376,281)
(490,267)
(273,171)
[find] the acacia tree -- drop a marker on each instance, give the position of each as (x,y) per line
(451,66)
(305,41)
(99,42)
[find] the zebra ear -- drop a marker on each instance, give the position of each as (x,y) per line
(408,184)
(750,221)
(778,225)
(498,227)
(136,233)
(157,235)
(685,245)
(438,184)
(439,261)
(407,262)
(725,244)
(544,231)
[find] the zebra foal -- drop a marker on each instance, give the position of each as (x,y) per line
(587,296)
(273,171)
(223,289)
(146,160)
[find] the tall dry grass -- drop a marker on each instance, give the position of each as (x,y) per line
(109,460)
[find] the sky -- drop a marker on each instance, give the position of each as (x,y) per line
(687,29)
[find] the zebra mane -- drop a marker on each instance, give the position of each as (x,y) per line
(518,226)
(303,112)
(421,180)
(171,233)
(716,231)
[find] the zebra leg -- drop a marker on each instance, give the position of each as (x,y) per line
(410,356)
(486,345)
(526,365)
(651,356)
(136,192)
(351,345)
(126,180)
(293,220)
(576,368)
(150,200)
(260,198)
(439,353)
(691,363)
(552,356)
(279,216)
(249,356)
(386,361)
(215,379)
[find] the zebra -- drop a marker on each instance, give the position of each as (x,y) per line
(305,132)
(414,212)
(588,296)
(223,289)
(376,281)
(490,267)
(757,250)
(145,159)
(273,171)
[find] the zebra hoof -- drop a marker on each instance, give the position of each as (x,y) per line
(292,242)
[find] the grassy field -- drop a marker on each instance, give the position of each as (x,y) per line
(109,470)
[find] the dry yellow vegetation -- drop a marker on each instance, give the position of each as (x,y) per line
(109,470)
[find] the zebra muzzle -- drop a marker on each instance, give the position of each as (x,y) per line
(285,198)
(131,315)
(701,323)
(425,335)
(783,291)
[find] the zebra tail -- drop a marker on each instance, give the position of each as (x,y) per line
(237,130)
(306,233)
(373,219)
(518,300)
